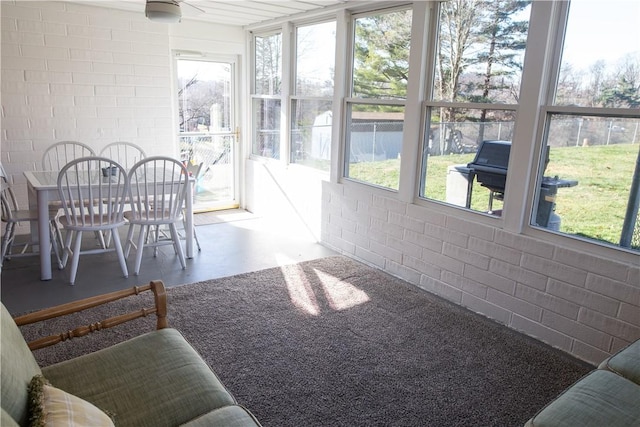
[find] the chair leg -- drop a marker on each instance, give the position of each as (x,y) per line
(140,248)
(55,245)
(58,232)
(6,240)
(108,239)
(155,240)
(53,219)
(129,242)
(146,237)
(195,237)
(76,256)
(100,238)
(66,250)
(176,244)
(118,246)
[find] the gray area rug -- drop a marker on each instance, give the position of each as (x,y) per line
(333,342)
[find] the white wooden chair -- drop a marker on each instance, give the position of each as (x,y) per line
(12,215)
(158,187)
(127,154)
(124,152)
(83,180)
(60,153)
(194,173)
(53,159)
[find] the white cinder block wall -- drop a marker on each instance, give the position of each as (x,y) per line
(584,304)
(286,194)
(76,72)
(72,71)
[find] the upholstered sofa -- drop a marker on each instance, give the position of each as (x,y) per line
(155,379)
(608,396)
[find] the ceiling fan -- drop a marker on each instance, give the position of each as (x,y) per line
(168,11)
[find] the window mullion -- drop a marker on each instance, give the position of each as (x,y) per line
(526,146)
(411,141)
(288,47)
(340,91)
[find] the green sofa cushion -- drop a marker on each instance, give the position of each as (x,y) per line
(626,362)
(229,416)
(6,420)
(599,399)
(156,379)
(17,367)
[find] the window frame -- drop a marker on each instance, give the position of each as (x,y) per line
(295,97)
(548,108)
(429,104)
(350,100)
(278,97)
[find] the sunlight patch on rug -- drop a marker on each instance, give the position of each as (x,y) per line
(340,294)
(300,291)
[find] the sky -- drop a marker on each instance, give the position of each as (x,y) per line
(592,24)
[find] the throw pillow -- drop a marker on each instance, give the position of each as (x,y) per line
(51,407)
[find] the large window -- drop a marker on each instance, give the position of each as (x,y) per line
(475,85)
(311,104)
(589,179)
(375,110)
(266,99)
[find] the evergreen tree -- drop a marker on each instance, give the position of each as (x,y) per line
(381,55)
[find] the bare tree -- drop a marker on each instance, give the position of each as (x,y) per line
(184,111)
(458,19)
(504,39)
(596,81)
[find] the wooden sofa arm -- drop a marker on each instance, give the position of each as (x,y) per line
(160,309)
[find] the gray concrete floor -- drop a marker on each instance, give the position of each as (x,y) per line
(241,243)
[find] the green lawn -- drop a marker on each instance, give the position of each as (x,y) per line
(595,208)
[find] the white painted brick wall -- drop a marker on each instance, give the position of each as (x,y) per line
(515,305)
(629,313)
(80,72)
(490,279)
(554,269)
(613,288)
(406,222)
(466,256)
(583,297)
(578,330)
(465,285)
(444,262)
(406,273)
(423,240)
(520,275)
(583,304)
(471,229)
(494,250)
(547,301)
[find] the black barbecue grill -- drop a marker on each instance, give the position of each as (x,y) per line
(489,168)
(490,164)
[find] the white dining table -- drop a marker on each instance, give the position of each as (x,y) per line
(43,188)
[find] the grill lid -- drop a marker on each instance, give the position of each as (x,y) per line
(490,164)
(492,156)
